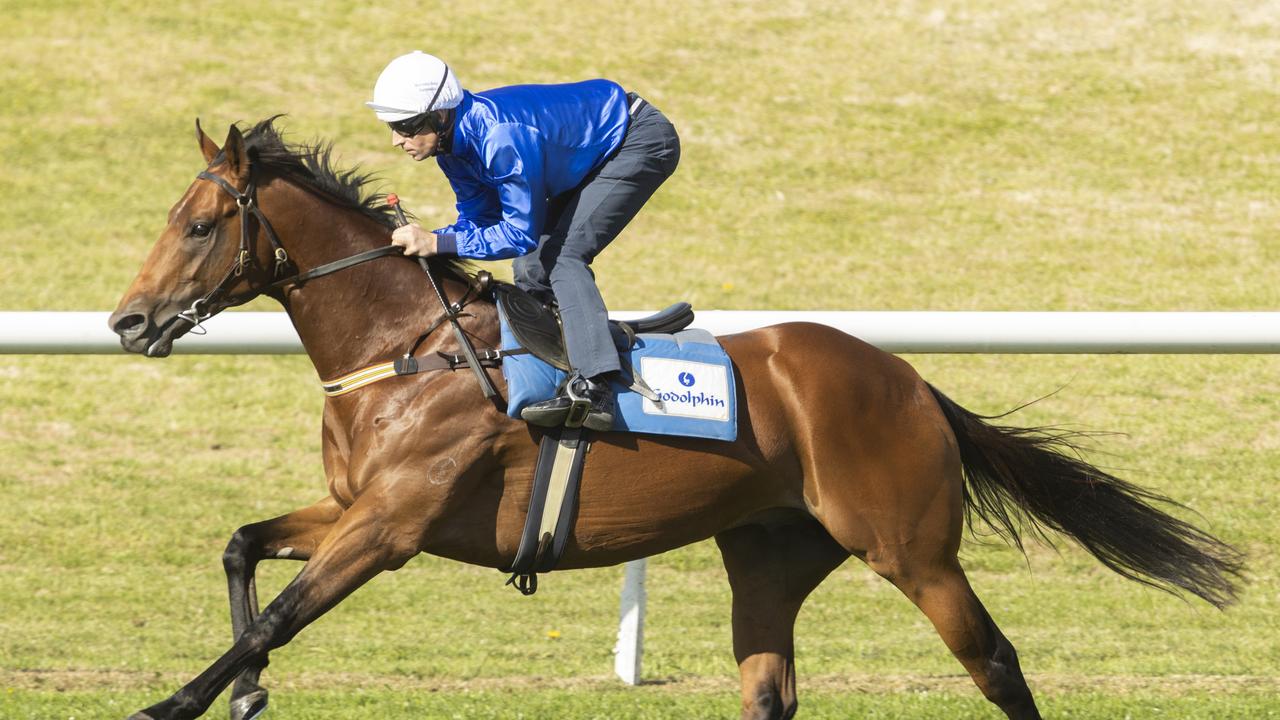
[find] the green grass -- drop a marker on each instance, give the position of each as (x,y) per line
(656,703)
(950,156)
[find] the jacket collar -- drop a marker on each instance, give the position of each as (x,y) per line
(450,140)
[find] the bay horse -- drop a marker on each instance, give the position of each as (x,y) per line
(843,450)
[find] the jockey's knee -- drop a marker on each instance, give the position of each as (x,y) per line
(572,268)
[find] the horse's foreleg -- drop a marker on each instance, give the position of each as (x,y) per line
(364,542)
(295,536)
(772,570)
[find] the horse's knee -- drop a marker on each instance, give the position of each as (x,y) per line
(236,557)
(274,626)
(259,639)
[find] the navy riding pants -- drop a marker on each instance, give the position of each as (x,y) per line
(582,222)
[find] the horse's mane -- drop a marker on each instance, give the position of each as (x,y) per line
(311,166)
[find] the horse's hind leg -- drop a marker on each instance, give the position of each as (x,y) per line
(772,569)
(294,536)
(941,590)
(887,484)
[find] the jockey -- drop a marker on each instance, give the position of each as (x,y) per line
(545,174)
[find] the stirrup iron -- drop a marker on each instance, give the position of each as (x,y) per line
(579,407)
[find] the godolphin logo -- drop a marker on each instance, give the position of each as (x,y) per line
(686,379)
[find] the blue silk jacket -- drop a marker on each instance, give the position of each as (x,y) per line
(513,148)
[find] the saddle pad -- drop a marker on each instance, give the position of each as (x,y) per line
(688,370)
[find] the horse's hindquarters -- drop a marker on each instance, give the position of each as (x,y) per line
(875,458)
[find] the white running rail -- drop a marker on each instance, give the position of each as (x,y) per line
(235,333)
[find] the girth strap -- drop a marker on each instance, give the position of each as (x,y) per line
(412,366)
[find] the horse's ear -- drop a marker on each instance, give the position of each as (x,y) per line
(207,147)
(234,149)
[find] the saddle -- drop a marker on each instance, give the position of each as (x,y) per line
(536,325)
(553,503)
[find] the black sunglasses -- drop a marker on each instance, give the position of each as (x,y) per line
(412,126)
(424,120)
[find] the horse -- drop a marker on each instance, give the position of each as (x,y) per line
(843,450)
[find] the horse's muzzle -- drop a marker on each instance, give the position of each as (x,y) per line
(139,333)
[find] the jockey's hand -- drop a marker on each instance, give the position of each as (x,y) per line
(414,240)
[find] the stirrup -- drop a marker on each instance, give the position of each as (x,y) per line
(579,407)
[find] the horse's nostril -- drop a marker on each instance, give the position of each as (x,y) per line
(130,324)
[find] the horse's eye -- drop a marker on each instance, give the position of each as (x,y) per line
(201,229)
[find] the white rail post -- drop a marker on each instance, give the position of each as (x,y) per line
(630,648)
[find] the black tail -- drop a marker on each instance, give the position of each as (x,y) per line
(1019,478)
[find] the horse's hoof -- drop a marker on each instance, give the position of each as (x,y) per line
(248,707)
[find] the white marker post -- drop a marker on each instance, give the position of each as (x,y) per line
(630,647)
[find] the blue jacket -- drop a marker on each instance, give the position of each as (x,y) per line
(514,148)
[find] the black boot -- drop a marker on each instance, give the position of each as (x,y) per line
(585,401)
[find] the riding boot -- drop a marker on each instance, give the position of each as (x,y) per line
(586,402)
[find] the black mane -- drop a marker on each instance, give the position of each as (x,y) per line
(312,167)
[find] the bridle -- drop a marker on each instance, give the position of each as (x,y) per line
(213,301)
(219,298)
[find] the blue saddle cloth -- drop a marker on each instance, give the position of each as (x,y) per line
(688,370)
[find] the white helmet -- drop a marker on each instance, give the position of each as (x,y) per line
(413,84)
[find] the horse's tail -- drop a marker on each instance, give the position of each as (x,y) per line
(1033,478)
